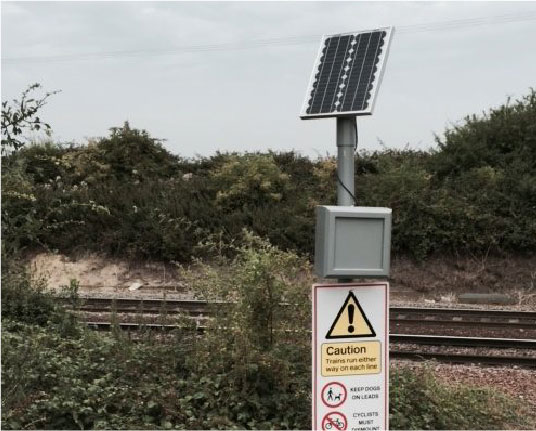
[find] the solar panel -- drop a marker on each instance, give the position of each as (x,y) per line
(347,74)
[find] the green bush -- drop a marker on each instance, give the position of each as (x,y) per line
(249,370)
(24,298)
(488,163)
(125,195)
(96,381)
(91,381)
(503,138)
(419,401)
(259,341)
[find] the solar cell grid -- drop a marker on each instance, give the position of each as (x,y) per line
(346,74)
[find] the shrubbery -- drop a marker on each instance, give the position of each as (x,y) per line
(126,195)
(250,370)
(419,401)
(24,298)
(246,371)
(96,381)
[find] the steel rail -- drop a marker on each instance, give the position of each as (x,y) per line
(103,304)
(443,322)
(431,340)
(418,355)
(136,302)
(448,340)
(473,312)
(131,326)
(398,315)
(462,317)
(149,305)
(521,361)
(486,323)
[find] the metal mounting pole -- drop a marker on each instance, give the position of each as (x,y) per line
(346,140)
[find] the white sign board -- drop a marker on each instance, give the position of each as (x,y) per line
(351,356)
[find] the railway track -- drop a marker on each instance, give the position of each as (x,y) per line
(429,340)
(463,317)
(155,306)
(481,350)
(453,341)
(396,340)
(462,358)
(403,346)
(406,315)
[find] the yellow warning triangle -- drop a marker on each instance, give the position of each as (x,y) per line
(351,321)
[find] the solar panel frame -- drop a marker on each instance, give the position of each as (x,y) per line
(375,82)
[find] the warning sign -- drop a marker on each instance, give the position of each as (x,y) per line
(350,356)
(347,359)
(334,421)
(351,321)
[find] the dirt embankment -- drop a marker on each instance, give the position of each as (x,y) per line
(98,275)
(442,278)
(477,274)
(435,280)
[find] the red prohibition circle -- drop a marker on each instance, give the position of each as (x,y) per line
(333,423)
(340,401)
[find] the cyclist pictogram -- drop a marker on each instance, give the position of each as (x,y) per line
(334,421)
(333,394)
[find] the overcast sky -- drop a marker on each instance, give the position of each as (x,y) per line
(232,76)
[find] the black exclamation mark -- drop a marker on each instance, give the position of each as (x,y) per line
(351,318)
